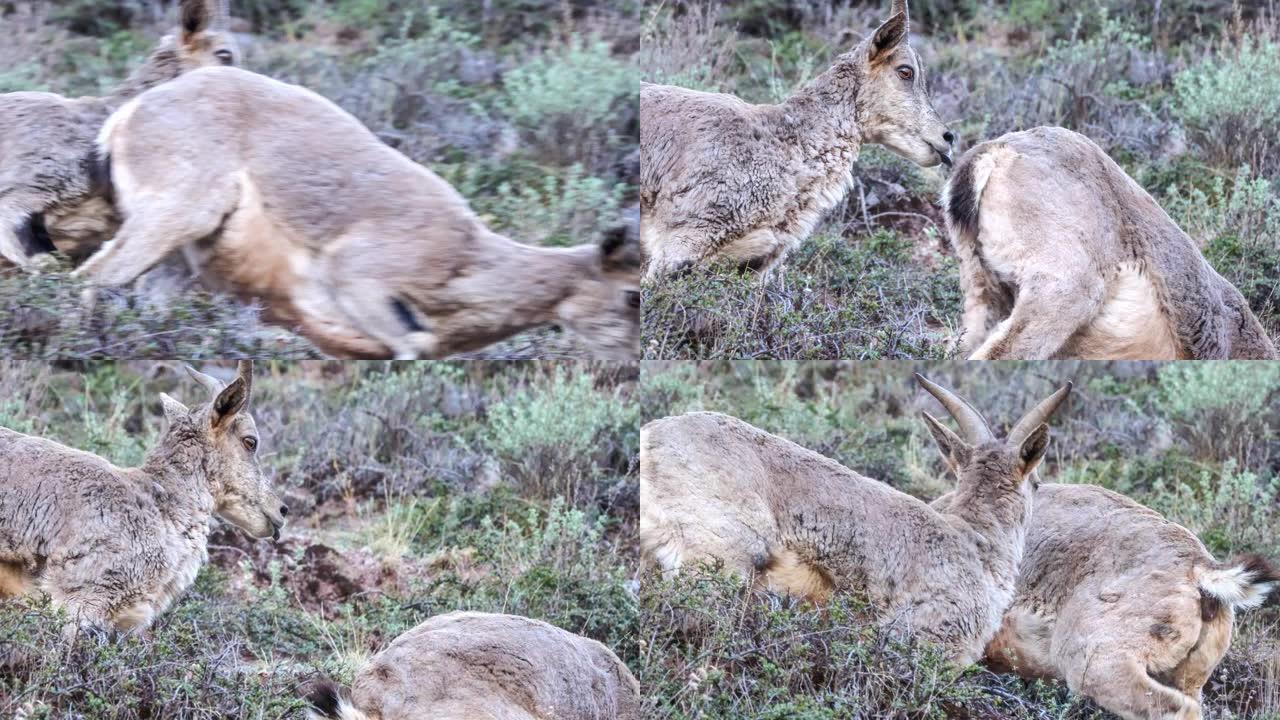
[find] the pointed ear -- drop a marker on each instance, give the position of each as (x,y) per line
(888,37)
(954,450)
(196,17)
(1032,449)
(229,402)
(172,408)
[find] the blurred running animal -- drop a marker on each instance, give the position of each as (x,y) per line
(295,203)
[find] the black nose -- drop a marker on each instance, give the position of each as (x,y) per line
(284,511)
(950,137)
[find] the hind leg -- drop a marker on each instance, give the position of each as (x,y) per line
(154,229)
(1048,311)
(1118,681)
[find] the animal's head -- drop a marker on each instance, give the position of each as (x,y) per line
(203,39)
(604,310)
(986,467)
(225,436)
(893,103)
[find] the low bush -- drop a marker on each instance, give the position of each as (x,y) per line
(1230,101)
(864,299)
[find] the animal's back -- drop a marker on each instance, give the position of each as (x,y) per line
(687,134)
(1079,534)
(1097,566)
(321,171)
(466,665)
(42,486)
(47,140)
(714,486)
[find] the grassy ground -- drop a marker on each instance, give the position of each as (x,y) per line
(1182,94)
(526,106)
(1193,441)
(415,490)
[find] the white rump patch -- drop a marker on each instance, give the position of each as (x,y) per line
(1235,586)
(122,115)
(346,711)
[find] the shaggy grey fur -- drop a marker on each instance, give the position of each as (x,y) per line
(724,179)
(116,546)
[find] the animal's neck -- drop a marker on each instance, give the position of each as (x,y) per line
(823,115)
(1000,519)
(176,468)
(161,66)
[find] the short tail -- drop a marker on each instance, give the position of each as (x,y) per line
(329,703)
(1243,583)
(962,195)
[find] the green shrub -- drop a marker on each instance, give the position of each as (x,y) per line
(1231,511)
(194,663)
(561,209)
(1230,101)
(865,298)
(541,435)
(40,317)
(712,648)
(574,101)
(1237,224)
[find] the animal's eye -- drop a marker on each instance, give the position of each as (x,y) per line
(225,57)
(906,72)
(250,443)
(633,298)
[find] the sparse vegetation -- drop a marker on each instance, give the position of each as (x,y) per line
(1195,441)
(400,511)
(1181,94)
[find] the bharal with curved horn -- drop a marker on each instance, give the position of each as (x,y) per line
(713,487)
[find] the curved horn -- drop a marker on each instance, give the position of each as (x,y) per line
(900,6)
(244,371)
(208,382)
(973,427)
(1039,414)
